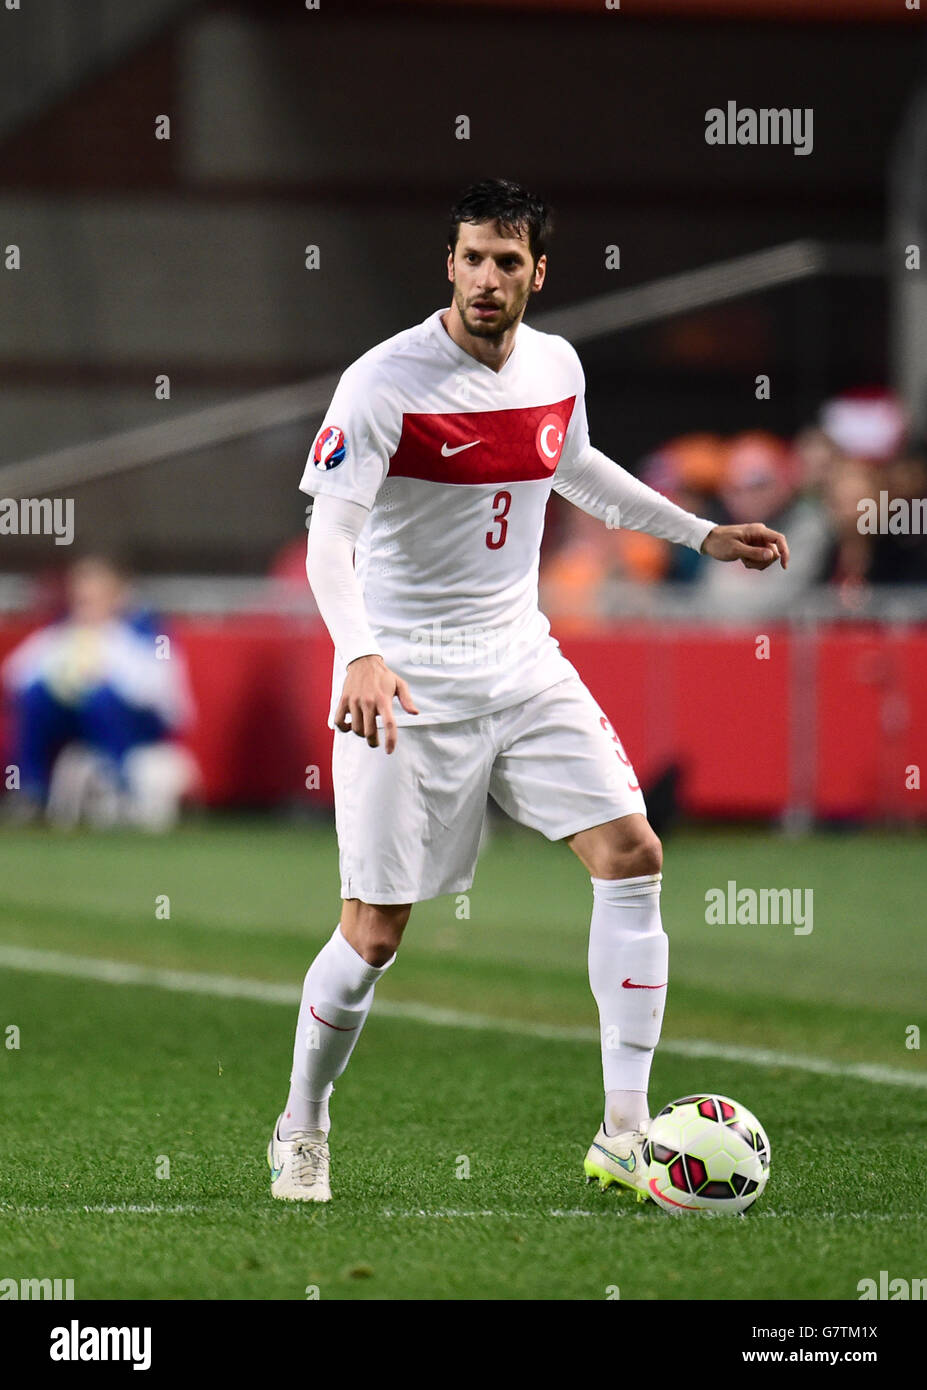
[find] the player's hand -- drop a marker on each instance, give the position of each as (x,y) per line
(753,543)
(369,689)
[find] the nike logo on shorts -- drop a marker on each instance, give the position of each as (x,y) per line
(627,984)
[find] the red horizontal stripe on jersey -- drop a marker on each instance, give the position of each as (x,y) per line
(507,451)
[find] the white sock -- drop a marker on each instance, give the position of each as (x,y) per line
(625,1110)
(628,955)
(337,995)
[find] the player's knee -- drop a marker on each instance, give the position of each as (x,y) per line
(648,855)
(376,930)
(633,857)
(379,949)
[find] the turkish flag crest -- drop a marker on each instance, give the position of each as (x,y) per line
(549,439)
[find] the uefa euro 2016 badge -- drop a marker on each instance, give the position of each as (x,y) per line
(330,449)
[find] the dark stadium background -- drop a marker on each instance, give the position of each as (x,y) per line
(187,258)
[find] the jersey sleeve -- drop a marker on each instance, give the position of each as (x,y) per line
(597,485)
(577,435)
(350,454)
(333,532)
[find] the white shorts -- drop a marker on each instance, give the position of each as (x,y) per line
(409,822)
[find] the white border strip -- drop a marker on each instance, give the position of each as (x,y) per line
(115,972)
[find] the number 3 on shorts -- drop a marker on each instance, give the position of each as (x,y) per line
(619,746)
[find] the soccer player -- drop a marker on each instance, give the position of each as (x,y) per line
(431,475)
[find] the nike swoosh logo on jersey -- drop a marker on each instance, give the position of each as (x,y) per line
(331,1025)
(446,452)
(627,984)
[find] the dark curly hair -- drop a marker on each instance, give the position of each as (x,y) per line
(510,206)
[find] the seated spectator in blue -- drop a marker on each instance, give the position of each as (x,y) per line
(97,699)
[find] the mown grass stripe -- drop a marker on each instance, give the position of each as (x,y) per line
(115,972)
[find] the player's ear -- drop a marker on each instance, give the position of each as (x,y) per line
(450,264)
(540,270)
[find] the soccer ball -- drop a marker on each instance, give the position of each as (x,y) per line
(706,1153)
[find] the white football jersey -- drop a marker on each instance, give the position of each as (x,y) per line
(456,462)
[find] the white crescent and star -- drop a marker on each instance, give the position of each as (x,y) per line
(551,453)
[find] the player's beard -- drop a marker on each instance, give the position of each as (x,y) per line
(480,328)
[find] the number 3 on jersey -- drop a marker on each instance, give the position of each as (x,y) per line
(500,504)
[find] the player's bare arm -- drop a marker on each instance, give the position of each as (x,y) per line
(756,545)
(369,689)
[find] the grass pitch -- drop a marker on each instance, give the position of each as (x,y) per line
(136,1116)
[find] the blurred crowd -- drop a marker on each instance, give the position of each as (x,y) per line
(810,487)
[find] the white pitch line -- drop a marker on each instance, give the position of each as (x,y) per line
(116,972)
(608,1212)
(632,1209)
(119,972)
(108,1209)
